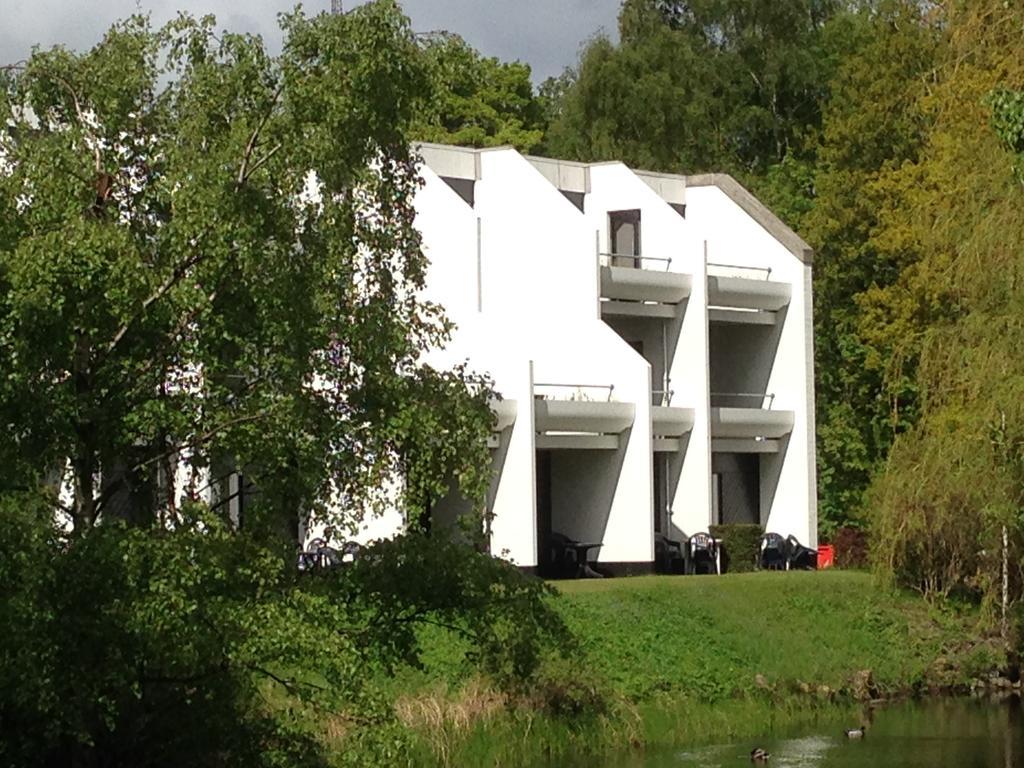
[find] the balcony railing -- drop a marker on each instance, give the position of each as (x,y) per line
(662,396)
(579,391)
(638,261)
(742,400)
(767,271)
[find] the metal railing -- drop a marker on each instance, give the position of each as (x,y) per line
(610,388)
(664,395)
(741,268)
(758,397)
(607,257)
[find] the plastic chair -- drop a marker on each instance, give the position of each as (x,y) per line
(704,555)
(774,552)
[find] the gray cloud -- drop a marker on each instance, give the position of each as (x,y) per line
(546,34)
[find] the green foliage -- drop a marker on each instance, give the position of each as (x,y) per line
(1008,122)
(865,342)
(477,101)
(183,257)
(1008,117)
(203,646)
(741,543)
(954,483)
(208,264)
(723,85)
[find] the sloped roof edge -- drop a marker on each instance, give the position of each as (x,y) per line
(444,155)
(757,210)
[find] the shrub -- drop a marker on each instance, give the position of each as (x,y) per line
(204,646)
(851,545)
(741,544)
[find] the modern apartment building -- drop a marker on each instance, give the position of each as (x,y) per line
(650,336)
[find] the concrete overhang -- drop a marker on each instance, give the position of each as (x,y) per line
(565,175)
(750,423)
(747,293)
(451,162)
(612,308)
(644,285)
(668,421)
(583,416)
(666,445)
(669,187)
(745,445)
(741,316)
(576,442)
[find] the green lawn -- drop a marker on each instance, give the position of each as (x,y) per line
(711,635)
(708,637)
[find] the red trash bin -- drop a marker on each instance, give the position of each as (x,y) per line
(826,556)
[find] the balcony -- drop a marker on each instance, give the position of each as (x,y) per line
(750,429)
(504,412)
(668,426)
(631,286)
(505,416)
(578,421)
(745,295)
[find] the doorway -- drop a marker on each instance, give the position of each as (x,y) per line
(624,238)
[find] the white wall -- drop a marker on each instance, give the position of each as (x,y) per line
(540,288)
(666,234)
(736,238)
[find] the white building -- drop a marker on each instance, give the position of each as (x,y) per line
(650,336)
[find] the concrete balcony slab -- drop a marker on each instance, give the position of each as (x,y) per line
(644,285)
(748,293)
(668,421)
(505,413)
(606,418)
(750,423)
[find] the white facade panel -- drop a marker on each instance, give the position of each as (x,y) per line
(519,272)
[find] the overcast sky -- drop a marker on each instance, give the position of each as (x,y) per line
(546,34)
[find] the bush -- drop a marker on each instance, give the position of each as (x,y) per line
(204,646)
(741,545)
(851,545)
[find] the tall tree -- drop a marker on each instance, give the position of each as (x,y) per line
(727,85)
(207,252)
(477,101)
(872,133)
(207,256)
(949,502)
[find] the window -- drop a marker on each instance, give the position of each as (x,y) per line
(624,237)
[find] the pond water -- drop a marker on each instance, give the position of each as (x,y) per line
(938,734)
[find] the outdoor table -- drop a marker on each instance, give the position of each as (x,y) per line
(583,569)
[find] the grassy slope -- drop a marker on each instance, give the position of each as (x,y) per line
(680,656)
(711,636)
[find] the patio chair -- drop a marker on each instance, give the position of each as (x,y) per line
(801,557)
(774,552)
(349,551)
(703,554)
(318,555)
(571,558)
(669,555)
